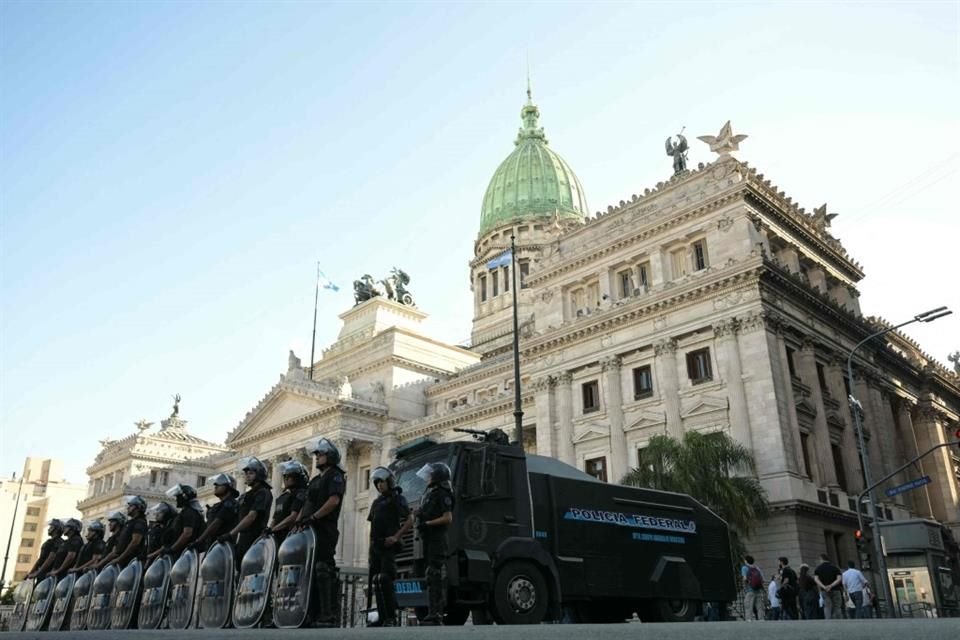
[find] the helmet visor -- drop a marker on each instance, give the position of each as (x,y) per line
(223,479)
(425,472)
(174,492)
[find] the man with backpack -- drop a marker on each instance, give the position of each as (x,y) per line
(753,604)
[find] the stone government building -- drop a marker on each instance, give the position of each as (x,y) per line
(711,303)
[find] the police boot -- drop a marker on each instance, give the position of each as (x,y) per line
(434,615)
(324,614)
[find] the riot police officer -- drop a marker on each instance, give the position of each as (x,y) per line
(69,548)
(253,511)
(93,549)
(322,512)
(290,502)
(433,520)
(115,522)
(188,523)
(221,517)
(48,550)
(132,539)
(162,533)
(390,519)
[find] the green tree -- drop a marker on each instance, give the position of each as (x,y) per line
(715,469)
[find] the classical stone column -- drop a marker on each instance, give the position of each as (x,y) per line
(883,429)
(834,374)
(544,388)
(732,371)
(807,368)
(564,393)
(348,511)
(868,422)
(666,365)
(376,455)
(944,490)
(276,480)
(794,461)
(922,502)
(614,400)
(388,443)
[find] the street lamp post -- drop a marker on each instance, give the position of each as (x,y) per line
(855,409)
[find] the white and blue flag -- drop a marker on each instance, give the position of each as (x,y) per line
(501,260)
(325,282)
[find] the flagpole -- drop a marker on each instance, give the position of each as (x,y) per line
(313,338)
(517,396)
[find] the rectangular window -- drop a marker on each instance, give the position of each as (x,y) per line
(790,365)
(23,558)
(593,294)
(33,511)
(700,260)
(153,478)
(678,263)
(642,382)
(805,450)
(506,279)
(698,366)
(644,274)
(39,489)
(596,467)
(119,475)
(591,396)
(483,287)
(98,487)
(495,283)
(365,478)
(625,283)
(19,575)
(822,378)
(30,526)
(838,466)
(524,272)
(26,542)
(108,483)
(201,480)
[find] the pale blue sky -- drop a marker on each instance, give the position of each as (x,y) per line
(170,172)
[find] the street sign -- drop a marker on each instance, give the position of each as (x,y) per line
(908,486)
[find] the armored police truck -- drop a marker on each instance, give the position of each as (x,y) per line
(534,539)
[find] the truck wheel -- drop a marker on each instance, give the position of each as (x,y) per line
(520,594)
(455,615)
(677,610)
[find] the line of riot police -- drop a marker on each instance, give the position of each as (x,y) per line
(167,566)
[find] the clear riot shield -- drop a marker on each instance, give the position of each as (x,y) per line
(156,585)
(98,615)
(183,586)
(126,596)
(62,602)
(216,586)
(294,579)
(41,604)
(256,577)
(82,595)
(21,605)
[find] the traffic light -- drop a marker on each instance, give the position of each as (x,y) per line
(863,549)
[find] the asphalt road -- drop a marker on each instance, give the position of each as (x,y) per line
(917,629)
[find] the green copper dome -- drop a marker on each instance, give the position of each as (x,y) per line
(533,182)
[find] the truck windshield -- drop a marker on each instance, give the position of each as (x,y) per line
(406,471)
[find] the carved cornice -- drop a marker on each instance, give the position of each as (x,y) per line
(470,415)
(610,363)
(726,328)
(544,383)
(564,378)
(666,347)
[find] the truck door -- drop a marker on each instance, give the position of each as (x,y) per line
(494,501)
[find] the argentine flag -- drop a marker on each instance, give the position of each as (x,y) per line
(501,260)
(325,282)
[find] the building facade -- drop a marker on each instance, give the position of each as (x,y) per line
(710,302)
(44,494)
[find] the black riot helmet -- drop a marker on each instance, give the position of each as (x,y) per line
(296,470)
(55,527)
(435,473)
(182,493)
(135,505)
(73,524)
(382,474)
(95,528)
(160,513)
(254,464)
(323,447)
(226,480)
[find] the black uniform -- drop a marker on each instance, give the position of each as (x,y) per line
(225,512)
(111,543)
(161,535)
(133,526)
(257,499)
(437,500)
(95,547)
(48,548)
(74,543)
(188,518)
(290,501)
(329,482)
(387,515)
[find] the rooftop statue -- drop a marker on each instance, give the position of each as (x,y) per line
(176,406)
(678,149)
(394,287)
(822,219)
(724,142)
(955,359)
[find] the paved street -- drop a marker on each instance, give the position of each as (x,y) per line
(947,629)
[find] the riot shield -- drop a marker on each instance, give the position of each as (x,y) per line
(41,604)
(183,585)
(82,595)
(216,586)
(156,584)
(294,579)
(256,576)
(62,602)
(98,615)
(126,596)
(21,605)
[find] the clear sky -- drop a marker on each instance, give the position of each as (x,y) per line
(170,172)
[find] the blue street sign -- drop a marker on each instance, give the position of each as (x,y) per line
(908,486)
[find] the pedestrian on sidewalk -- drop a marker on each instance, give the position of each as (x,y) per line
(772,590)
(854,583)
(830,582)
(809,593)
(753,589)
(789,590)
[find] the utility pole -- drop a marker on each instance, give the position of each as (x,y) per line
(13,523)
(313,337)
(517,396)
